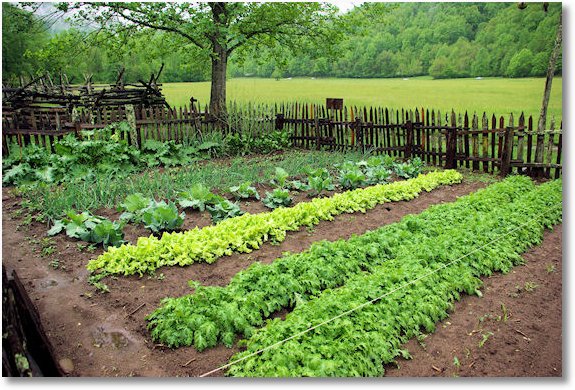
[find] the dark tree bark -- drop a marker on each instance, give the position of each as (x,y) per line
(550,73)
(218,89)
(220,54)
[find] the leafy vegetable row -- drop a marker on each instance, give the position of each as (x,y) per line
(416,289)
(247,232)
(217,314)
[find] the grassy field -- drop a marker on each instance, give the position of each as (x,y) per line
(493,95)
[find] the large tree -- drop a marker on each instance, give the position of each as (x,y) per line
(217,28)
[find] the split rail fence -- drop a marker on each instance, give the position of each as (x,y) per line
(479,142)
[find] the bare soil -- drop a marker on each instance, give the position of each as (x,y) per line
(104,334)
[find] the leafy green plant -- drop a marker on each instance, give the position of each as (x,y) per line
(409,169)
(55,263)
(224,210)
(277,198)
(133,207)
(401,302)
(245,143)
(318,185)
(198,197)
(377,175)
(484,338)
(162,217)
(90,228)
(256,292)
(352,178)
(244,191)
(456,362)
(298,185)
(95,280)
(505,312)
(319,180)
(247,232)
(280,178)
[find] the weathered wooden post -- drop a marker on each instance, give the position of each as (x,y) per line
(317,129)
(408,139)
(280,121)
(506,152)
(131,119)
(358,126)
(451,145)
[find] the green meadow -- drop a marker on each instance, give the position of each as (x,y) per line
(499,96)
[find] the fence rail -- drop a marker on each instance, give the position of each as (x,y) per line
(479,142)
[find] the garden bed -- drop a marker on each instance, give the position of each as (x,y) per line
(109,329)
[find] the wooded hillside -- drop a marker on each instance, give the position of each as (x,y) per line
(444,40)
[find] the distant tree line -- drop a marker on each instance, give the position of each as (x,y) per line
(443,40)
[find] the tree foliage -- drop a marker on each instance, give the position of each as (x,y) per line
(374,40)
(216,29)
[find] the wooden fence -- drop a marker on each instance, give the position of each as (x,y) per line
(42,126)
(480,142)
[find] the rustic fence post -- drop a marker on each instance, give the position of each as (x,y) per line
(450,146)
(451,143)
(359,133)
(280,121)
(506,152)
(131,119)
(408,139)
(317,129)
(539,151)
(77,122)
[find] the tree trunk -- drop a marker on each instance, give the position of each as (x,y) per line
(218,91)
(538,172)
(549,79)
(220,55)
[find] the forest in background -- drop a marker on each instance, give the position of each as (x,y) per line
(379,40)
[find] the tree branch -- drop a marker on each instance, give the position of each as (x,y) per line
(118,9)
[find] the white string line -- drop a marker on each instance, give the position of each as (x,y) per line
(375,299)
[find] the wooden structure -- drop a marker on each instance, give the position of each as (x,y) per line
(42,92)
(478,141)
(26,350)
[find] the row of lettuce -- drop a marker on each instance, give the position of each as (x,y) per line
(371,293)
(161,216)
(248,231)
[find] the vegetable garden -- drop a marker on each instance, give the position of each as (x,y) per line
(282,263)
